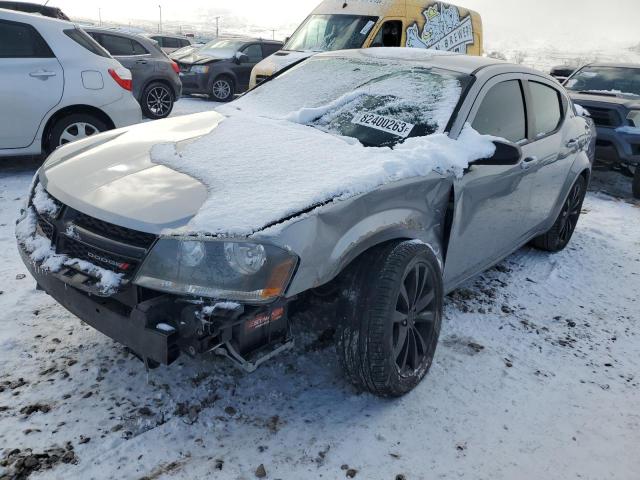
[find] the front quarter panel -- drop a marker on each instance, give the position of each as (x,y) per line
(328,239)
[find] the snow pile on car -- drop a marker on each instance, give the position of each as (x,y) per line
(271,157)
(259,171)
(41,251)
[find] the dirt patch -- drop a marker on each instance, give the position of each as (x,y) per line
(20,464)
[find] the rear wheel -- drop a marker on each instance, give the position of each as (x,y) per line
(636,182)
(390,318)
(560,234)
(222,89)
(157,101)
(72,128)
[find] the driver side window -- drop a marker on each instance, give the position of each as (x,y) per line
(502,112)
(389,35)
(254,52)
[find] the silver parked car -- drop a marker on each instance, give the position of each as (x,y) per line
(156,84)
(57,85)
(386,182)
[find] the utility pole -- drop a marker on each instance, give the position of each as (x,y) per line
(160,25)
(273,34)
(217,27)
(100,15)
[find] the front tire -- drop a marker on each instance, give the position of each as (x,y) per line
(72,128)
(157,101)
(222,89)
(560,234)
(636,183)
(390,318)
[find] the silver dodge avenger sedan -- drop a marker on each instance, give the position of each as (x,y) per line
(358,186)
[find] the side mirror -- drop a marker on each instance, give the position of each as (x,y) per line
(287,39)
(241,58)
(505,154)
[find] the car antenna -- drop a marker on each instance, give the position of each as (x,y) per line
(344,5)
(45,3)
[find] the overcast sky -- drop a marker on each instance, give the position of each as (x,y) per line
(575,24)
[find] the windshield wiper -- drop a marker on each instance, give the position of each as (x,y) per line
(601,94)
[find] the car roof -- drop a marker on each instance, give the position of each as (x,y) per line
(28,7)
(120,33)
(34,18)
(466,64)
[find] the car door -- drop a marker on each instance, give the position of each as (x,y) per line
(253,55)
(491,217)
(554,145)
(31,83)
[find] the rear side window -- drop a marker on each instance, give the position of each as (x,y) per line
(546,107)
(169,42)
(121,46)
(84,40)
(19,40)
(502,112)
(185,43)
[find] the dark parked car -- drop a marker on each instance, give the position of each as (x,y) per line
(562,72)
(611,94)
(223,67)
(45,11)
(156,84)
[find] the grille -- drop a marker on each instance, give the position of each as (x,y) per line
(106,260)
(113,232)
(604,117)
(47,229)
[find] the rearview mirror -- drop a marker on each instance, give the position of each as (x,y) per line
(241,57)
(505,154)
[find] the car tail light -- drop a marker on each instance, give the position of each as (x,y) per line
(122,76)
(175,67)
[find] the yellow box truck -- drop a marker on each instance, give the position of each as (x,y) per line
(347,24)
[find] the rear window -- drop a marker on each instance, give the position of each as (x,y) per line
(84,40)
(546,108)
(19,40)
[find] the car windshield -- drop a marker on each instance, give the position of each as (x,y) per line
(606,80)
(321,33)
(380,102)
(222,48)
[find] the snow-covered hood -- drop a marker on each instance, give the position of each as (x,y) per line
(199,58)
(279,60)
(235,175)
(111,176)
(594,99)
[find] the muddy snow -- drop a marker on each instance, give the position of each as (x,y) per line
(537,376)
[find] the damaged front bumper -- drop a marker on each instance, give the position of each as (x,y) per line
(158,327)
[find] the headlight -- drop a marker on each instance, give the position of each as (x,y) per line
(634,118)
(241,271)
(199,69)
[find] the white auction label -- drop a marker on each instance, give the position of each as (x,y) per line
(384,124)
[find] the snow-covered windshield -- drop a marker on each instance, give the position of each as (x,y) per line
(321,33)
(380,102)
(606,80)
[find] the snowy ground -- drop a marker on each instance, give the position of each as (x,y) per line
(537,376)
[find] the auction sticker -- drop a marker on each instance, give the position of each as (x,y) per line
(384,124)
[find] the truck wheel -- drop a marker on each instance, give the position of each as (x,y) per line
(73,127)
(390,317)
(636,182)
(156,101)
(222,89)
(560,234)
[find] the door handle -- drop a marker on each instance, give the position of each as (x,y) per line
(572,143)
(42,74)
(141,62)
(528,162)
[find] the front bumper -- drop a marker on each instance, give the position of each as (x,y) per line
(134,327)
(614,146)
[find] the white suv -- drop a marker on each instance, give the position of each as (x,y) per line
(57,85)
